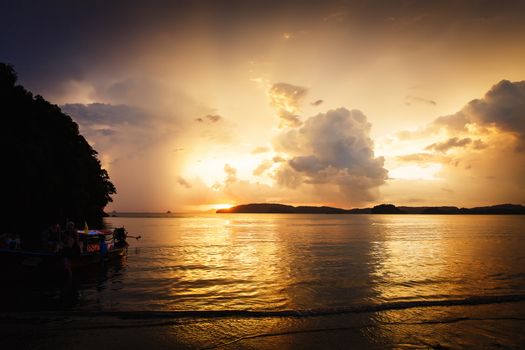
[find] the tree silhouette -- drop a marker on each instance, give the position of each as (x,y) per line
(49,171)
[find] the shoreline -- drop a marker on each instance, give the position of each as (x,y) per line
(456,325)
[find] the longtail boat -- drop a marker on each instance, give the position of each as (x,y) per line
(96,246)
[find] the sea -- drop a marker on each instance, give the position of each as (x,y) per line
(294,281)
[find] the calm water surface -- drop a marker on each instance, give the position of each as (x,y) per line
(400,269)
(277,261)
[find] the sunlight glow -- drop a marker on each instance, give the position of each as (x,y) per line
(416,172)
(222,206)
(212,168)
(210,207)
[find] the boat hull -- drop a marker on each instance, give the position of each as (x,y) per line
(20,262)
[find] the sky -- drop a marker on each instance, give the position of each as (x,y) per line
(196,105)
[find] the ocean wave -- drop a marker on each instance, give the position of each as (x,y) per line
(363,308)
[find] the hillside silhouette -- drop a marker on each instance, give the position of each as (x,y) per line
(501,209)
(50,173)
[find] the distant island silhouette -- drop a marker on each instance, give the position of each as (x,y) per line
(506,209)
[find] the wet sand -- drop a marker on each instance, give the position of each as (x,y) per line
(458,327)
(107,332)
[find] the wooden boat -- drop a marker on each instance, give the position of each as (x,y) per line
(21,262)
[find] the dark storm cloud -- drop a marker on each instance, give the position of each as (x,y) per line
(332,148)
(503,107)
(453,142)
(117,130)
(54,41)
(307,164)
(100,113)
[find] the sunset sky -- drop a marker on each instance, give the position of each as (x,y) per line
(194,105)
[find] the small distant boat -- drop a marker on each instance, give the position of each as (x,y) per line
(20,261)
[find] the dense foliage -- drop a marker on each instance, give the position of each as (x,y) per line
(50,173)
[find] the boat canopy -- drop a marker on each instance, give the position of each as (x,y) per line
(95,232)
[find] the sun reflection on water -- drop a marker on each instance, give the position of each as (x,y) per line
(407,266)
(321,263)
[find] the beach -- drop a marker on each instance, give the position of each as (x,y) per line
(261,281)
(463,327)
